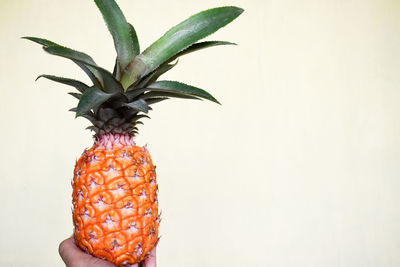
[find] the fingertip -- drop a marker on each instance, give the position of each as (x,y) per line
(150,260)
(67,250)
(72,255)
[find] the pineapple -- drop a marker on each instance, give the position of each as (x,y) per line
(115,207)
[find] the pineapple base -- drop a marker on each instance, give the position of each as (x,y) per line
(115,207)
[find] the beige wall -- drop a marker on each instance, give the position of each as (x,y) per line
(300,166)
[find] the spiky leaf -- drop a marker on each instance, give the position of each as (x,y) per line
(76,95)
(80,86)
(178,38)
(139,116)
(94,76)
(91,99)
(198,46)
(117,70)
(119,29)
(181,88)
(105,114)
(135,40)
(139,105)
(153,76)
(89,116)
(40,41)
(155,100)
(74,55)
(110,84)
(158,94)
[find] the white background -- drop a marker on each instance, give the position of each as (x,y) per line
(300,166)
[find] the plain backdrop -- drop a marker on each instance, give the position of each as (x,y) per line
(300,166)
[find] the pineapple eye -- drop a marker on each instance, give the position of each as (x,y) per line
(152,231)
(139,249)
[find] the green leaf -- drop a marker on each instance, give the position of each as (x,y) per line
(155,100)
(153,76)
(117,70)
(89,116)
(198,46)
(66,52)
(110,84)
(181,88)
(106,114)
(80,86)
(96,82)
(91,128)
(156,94)
(177,39)
(138,117)
(135,40)
(133,115)
(93,75)
(76,95)
(139,105)
(91,99)
(115,122)
(74,55)
(119,29)
(40,41)
(131,95)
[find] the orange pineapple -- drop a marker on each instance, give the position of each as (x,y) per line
(115,200)
(115,207)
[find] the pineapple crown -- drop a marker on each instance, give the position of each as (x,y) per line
(117,101)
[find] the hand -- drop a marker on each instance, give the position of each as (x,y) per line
(75,257)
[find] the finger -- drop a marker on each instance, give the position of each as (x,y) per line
(71,254)
(150,260)
(69,251)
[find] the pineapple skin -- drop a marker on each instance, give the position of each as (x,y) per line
(115,206)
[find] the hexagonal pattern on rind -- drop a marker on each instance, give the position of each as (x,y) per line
(115,208)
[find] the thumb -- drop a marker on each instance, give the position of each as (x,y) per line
(73,256)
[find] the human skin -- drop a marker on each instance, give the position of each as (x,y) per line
(75,257)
